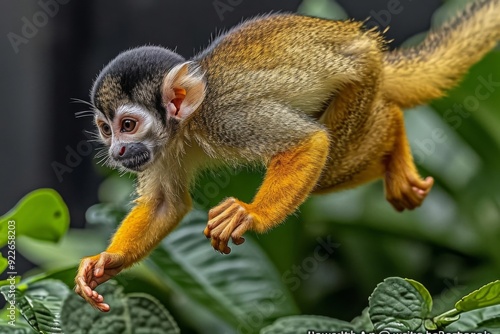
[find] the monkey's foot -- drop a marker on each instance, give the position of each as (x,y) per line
(406,191)
(230,219)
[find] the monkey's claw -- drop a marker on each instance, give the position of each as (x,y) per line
(228,220)
(407,192)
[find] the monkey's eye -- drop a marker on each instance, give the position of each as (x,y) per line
(128,125)
(106,130)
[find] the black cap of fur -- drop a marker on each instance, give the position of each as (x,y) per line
(143,67)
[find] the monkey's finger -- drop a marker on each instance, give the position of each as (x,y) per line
(397,205)
(226,250)
(236,236)
(225,230)
(214,212)
(215,243)
(224,216)
(103,307)
(93,284)
(207,233)
(83,289)
(223,248)
(238,241)
(108,261)
(425,184)
(97,297)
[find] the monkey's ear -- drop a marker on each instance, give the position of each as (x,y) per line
(183,91)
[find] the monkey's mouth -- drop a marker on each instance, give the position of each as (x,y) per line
(138,162)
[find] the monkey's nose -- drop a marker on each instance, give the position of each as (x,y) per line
(122,151)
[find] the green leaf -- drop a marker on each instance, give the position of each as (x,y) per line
(134,313)
(447,11)
(487,295)
(79,317)
(304,323)
(242,288)
(423,292)
(478,320)
(17,329)
(471,108)
(40,304)
(42,215)
(326,9)
(3,263)
(490,323)
(363,321)
(396,305)
(70,249)
(106,214)
(149,316)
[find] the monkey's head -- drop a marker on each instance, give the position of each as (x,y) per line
(142,98)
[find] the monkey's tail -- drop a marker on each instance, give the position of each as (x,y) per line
(418,74)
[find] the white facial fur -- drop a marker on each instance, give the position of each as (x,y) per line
(148,129)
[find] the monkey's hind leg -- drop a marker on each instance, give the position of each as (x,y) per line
(404,188)
(290,177)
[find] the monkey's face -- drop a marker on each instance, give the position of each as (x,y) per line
(140,100)
(133,137)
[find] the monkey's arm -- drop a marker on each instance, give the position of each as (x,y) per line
(143,228)
(290,177)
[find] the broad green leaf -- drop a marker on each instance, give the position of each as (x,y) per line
(478,320)
(106,214)
(42,215)
(396,305)
(17,329)
(242,288)
(68,252)
(490,323)
(134,313)
(3,263)
(487,295)
(423,292)
(471,108)
(363,321)
(79,317)
(447,11)
(305,323)
(149,316)
(65,275)
(40,304)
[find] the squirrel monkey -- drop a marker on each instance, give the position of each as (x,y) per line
(318,102)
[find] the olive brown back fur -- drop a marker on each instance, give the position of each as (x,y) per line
(285,69)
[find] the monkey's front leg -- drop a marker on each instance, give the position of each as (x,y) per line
(289,179)
(143,228)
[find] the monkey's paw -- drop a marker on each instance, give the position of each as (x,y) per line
(407,191)
(230,219)
(94,271)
